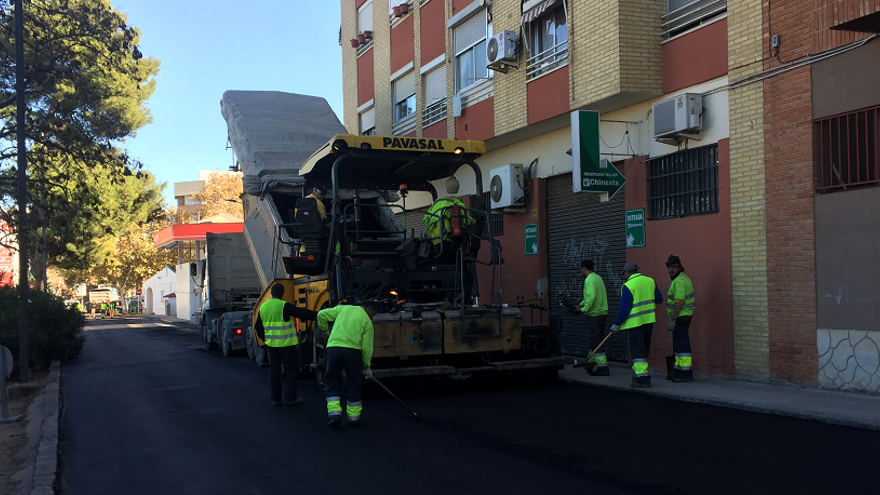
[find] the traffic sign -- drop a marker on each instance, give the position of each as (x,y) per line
(138,292)
(590,174)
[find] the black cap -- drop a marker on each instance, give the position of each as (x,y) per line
(320,188)
(673,260)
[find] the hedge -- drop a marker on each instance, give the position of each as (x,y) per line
(55,331)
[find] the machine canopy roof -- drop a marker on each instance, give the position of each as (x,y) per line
(385,162)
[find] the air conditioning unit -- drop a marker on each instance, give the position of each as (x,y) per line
(502,48)
(679,115)
(506,186)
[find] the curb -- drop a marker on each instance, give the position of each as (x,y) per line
(43,480)
(736,405)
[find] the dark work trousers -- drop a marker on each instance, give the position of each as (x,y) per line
(350,360)
(681,341)
(639,345)
(596,327)
(288,357)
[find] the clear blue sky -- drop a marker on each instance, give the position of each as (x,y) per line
(209,46)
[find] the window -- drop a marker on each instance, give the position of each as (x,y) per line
(434,83)
(548,43)
(470,52)
(848,150)
(682,15)
(404,89)
(365,17)
(683,183)
(368,122)
(482,202)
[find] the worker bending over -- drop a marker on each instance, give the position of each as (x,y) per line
(349,348)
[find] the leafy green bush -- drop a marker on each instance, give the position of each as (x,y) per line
(55,331)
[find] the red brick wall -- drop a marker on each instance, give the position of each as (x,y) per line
(365,82)
(432,29)
(829,13)
(548,96)
(457,5)
(476,121)
(403,45)
(791,260)
(696,57)
(707,263)
(521,272)
(436,130)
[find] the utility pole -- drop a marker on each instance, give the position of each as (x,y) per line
(23,359)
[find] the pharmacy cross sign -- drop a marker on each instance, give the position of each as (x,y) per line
(591,174)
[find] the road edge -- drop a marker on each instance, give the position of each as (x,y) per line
(46,467)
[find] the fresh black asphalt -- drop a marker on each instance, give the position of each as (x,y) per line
(146,410)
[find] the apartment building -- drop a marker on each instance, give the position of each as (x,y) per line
(690,111)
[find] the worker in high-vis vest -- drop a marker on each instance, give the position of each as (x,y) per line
(595,306)
(349,348)
(680,305)
(276,325)
(438,220)
(639,297)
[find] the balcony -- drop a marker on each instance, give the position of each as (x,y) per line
(435,112)
(547,61)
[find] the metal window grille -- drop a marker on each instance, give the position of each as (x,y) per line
(434,113)
(482,202)
(683,183)
(848,150)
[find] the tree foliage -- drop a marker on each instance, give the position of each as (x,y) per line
(221,194)
(87,86)
(134,259)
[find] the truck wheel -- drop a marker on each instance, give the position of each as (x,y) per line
(225,345)
(251,352)
(206,336)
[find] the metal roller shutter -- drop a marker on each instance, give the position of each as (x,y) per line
(580,227)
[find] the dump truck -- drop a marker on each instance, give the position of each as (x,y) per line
(230,288)
(434,318)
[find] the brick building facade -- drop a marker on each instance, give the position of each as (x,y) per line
(748,211)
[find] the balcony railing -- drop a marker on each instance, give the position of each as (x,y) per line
(435,112)
(547,61)
(691,15)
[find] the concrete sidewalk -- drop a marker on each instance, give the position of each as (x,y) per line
(834,407)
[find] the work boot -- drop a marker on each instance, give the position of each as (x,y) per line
(275,402)
(334,421)
(641,382)
(589,367)
(356,422)
(600,371)
(295,402)
(683,376)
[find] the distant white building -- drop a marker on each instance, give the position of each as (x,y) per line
(156,290)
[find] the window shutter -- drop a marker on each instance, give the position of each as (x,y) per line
(368,119)
(365,17)
(471,32)
(435,85)
(405,87)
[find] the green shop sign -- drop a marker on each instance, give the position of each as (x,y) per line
(635,228)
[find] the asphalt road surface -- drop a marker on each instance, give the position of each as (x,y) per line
(148,411)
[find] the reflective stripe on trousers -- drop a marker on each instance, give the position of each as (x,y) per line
(354,410)
(640,367)
(334,406)
(600,359)
(683,361)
